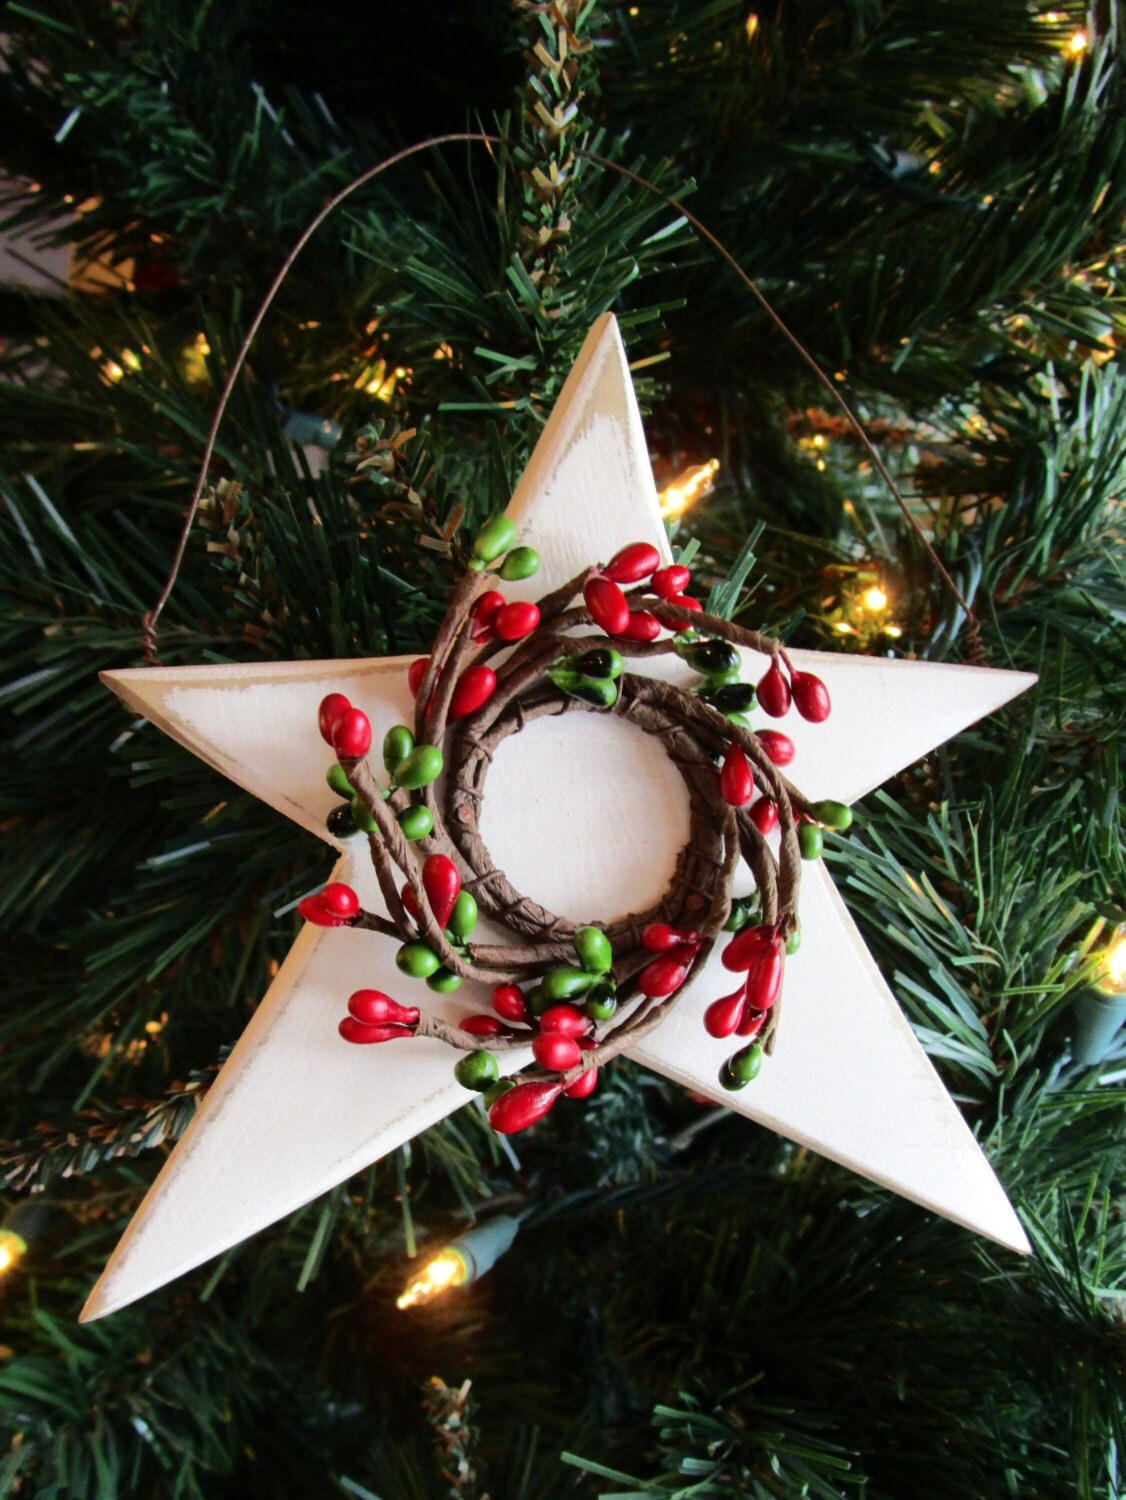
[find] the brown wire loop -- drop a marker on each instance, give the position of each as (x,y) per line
(150,619)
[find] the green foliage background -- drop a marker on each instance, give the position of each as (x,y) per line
(931,194)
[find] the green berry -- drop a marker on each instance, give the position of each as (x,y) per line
(741,1067)
(416,822)
(601,1002)
(338,781)
(521,562)
(601,691)
(477,1071)
(463,918)
(495,537)
(740,719)
(717,680)
(602,662)
(340,822)
(398,743)
(837,815)
(594,950)
(417,961)
(811,841)
(363,816)
(793,942)
(732,697)
(418,769)
(565,984)
(536,1001)
(443,981)
(743,911)
(711,656)
(495,1090)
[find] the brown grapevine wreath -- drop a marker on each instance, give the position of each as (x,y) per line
(579,995)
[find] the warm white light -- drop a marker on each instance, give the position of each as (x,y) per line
(12,1248)
(675,498)
(875,599)
(894,631)
(447,1269)
(1078,43)
(752,25)
(842,627)
(1111,978)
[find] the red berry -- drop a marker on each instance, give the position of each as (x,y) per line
(779,747)
(736,782)
(744,948)
(607,604)
(774,692)
(355,1031)
(723,1016)
(375,1008)
(684,954)
(442,883)
(351,734)
(515,621)
(330,710)
(668,582)
(508,1002)
(340,899)
(586,1083)
(415,673)
(567,1020)
(486,607)
(686,601)
(556,1052)
(633,563)
(752,1023)
(483,1026)
(523,1106)
(764,815)
(313,909)
(659,937)
(641,626)
(661,978)
(474,687)
(811,697)
(764,978)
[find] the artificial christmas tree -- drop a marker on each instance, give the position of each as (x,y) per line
(931,198)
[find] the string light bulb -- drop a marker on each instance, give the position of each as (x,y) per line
(687,488)
(13,1247)
(1101,1010)
(461,1263)
(1078,43)
(875,600)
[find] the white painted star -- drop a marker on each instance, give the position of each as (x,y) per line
(586,814)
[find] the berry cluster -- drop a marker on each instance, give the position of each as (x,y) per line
(576,995)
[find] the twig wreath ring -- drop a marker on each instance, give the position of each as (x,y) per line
(579,995)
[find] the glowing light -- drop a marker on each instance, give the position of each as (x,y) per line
(1111,979)
(752,25)
(112,370)
(1052,17)
(875,599)
(819,440)
(842,627)
(894,631)
(447,1269)
(821,465)
(688,487)
(13,1248)
(1078,43)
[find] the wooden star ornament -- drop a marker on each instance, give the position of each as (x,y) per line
(588,815)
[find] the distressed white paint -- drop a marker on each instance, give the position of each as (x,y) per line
(587,816)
